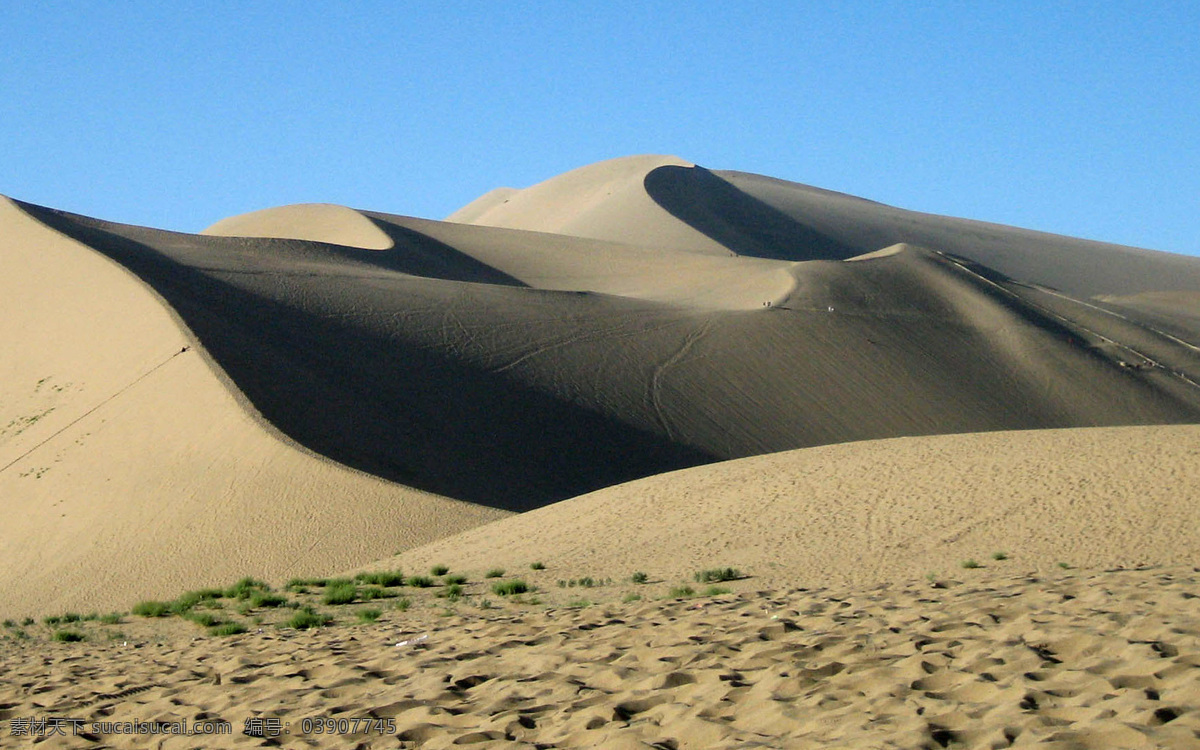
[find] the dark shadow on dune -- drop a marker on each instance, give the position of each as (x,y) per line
(739,221)
(346,383)
(421,255)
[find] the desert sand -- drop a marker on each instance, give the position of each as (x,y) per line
(955,465)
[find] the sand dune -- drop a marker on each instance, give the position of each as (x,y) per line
(870,512)
(318,222)
(707,369)
(130,468)
(627,319)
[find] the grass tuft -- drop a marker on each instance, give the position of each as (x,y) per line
(440,570)
(494,573)
(999,555)
(510,588)
(421,582)
(383,578)
(716,575)
(971,564)
(537,566)
(340,594)
(369,615)
(639,577)
(307,618)
(681,592)
(68,636)
(227,628)
(151,608)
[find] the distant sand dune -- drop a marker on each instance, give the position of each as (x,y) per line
(598,330)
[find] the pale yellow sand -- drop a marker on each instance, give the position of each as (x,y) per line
(873,511)
(318,222)
(1077,659)
(129,469)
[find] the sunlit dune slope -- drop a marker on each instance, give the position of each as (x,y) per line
(130,468)
(871,512)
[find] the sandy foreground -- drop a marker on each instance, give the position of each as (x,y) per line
(1063,658)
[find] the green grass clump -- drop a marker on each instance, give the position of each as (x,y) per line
(203,619)
(10,623)
(716,575)
(454,580)
(682,592)
(371,593)
(999,555)
(403,603)
(440,570)
(227,628)
(639,577)
(341,594)
(1064,566)
(494,573)
(369,615)
(715,591)
(52,620)
(452,593)
(152,608)
(510,588)
(68,636)
(971,564)
(381,578)
(245,588)
(301,584)
(267,599)
(579,603)
(307,618)
(629,598)
(537,566)
(421,582)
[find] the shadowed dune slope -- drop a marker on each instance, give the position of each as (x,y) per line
(870,512)
(513,396)
(130,468)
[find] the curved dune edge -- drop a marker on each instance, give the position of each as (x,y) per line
(603,201)
(316,222)
(873,511)
(129,470)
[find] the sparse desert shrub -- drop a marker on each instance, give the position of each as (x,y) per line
(971,564)
(382,578)
(308,617)
(579,603)
(455,580)
(10,624)
(371,593)
(453,592)
(300,584)
(68,636)
(151,608)
(587,582)
(439,570)
(509,588)
(70,617)
(52,620)
(267,599)
(485,604)
(227,628)
(999,555)
(203,619)
(537,566)
(715,591)
(403,603)
(421,582)
(341,594)
(682,592)
(1064,566)
(716,575)
(245,588)
(639,577)
(494,573)
(27,621)
(369,615)
(629,598)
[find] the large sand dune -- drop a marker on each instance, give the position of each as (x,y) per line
(130,468)
(624,320)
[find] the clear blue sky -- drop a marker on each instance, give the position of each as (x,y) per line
(1079,118)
